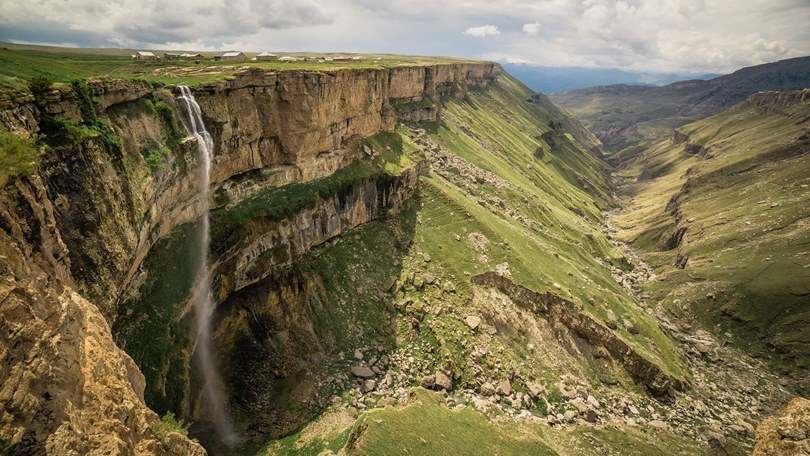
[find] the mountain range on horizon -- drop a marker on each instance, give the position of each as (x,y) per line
(622,115)
(551,79)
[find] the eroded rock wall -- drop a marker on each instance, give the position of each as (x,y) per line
(562,313)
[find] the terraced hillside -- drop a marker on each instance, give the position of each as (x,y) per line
(720,210)
(624,115)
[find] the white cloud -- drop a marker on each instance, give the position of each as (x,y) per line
(483,31)
(532,29)
(644,35)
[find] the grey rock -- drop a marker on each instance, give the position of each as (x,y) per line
(630,326)
(368,385)
(658,424)
(611,320)
(504,388)
(362,372)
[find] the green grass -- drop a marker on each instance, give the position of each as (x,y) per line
(21,63)
(395,153)
(405,106)
(426,426)
(19,155)
(561,245)
(166,425)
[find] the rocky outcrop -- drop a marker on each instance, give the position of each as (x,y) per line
(66,387)
(247,259)
(288,125)
(779,103)
(787,433)
(563,314)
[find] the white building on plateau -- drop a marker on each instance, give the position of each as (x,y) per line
(232,56)
(266,56)
(144,55)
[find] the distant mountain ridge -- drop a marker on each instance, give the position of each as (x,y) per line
(560,79)
(623,115)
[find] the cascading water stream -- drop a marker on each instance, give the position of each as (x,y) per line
(203,304)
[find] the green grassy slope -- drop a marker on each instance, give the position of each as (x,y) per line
(746,215)
(537,229)
(623,115)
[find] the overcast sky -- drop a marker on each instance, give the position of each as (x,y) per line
(648,35)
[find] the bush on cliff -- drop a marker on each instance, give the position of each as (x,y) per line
(18,155)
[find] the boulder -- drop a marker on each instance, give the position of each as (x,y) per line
(472,321)
(630,326)
(362,372)
(441,380)
(611,320)
(535,389)
(658,424)
(504,388)
(367,386)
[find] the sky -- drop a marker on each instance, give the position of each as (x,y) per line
(715,36)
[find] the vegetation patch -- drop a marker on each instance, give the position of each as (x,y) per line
(404,106)
(19,155)
(153,329)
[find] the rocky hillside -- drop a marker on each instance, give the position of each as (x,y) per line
(624,115)
(720,210)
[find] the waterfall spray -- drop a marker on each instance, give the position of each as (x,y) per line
(203,304)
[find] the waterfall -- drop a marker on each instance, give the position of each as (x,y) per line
(203,304)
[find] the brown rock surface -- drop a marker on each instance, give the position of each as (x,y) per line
(786,433)
(66,387)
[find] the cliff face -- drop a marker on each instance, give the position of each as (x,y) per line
(67,388)
(75,234)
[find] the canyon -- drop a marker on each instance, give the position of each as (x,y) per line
(415,248)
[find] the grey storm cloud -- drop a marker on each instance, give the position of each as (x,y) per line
(647,35)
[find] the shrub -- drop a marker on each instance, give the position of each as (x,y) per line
(18,155)
(166,425)
(155,157)
(59,131)
(39,85)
